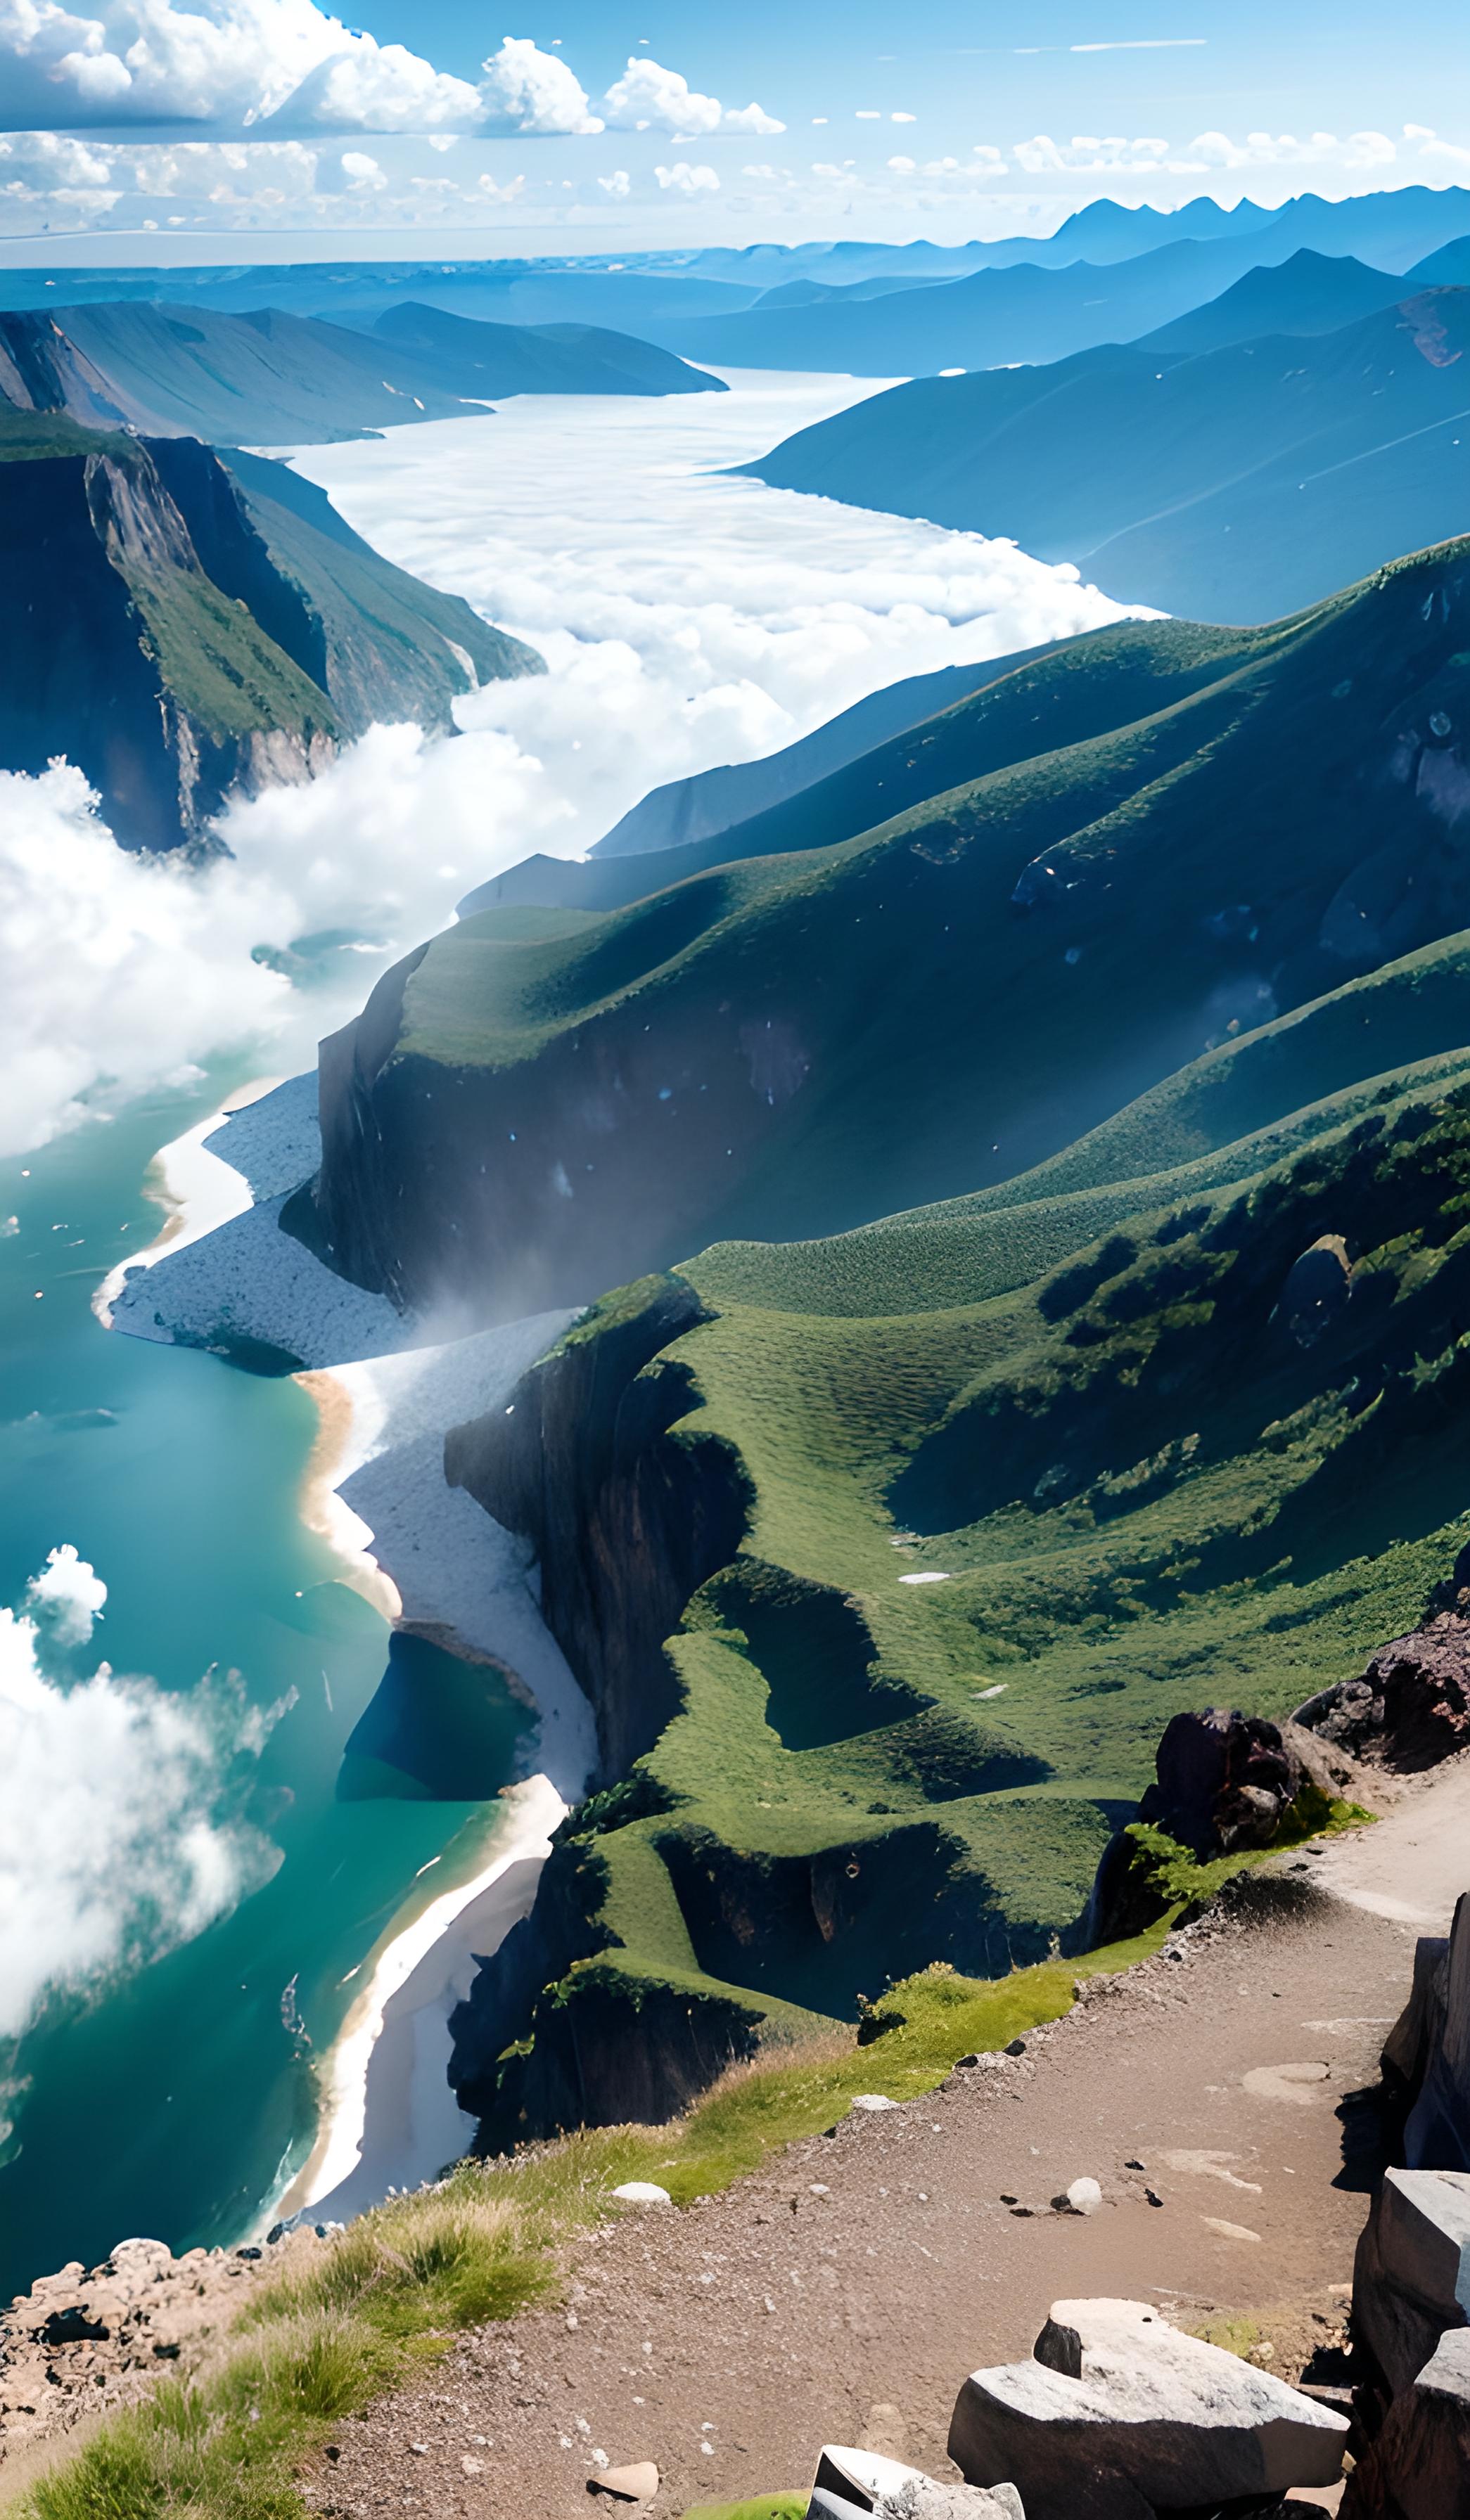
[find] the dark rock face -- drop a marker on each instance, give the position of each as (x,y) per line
(97,558)
(1426,2057)
(1316,1290)
(1411,1707)
(1224,1781)
(626,1518)
(1419,2466)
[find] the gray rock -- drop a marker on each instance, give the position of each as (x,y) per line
(852,2484)
(1411,2277)
(1419,2466)
(1317,1288)
(1438,2133)
(1119,2417)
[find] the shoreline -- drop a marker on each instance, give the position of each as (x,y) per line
(383,2112)
(427,1560)
(195,1191)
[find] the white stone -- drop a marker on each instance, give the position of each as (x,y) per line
(852,2484)
(1083,2197)
(641,2191)
(873,2103)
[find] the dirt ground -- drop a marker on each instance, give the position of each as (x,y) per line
(843,2293)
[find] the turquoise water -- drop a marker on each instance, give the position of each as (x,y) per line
(168,2103)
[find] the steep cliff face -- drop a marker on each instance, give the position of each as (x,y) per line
(627,1520)
(185,636)
(128,659)
(948,964)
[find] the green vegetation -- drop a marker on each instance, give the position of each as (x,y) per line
(764,2507)
(389,2293)
(1136,1487)
(938,969)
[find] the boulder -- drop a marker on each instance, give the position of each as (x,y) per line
(1437,2135)
(852,2484)
(1223,1779)
(1411,2277)
(1411,1707)
(641,2191)
(1317,1290)
(1119,2417)
(1419,2466)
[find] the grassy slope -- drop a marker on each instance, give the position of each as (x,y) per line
(1143,1493)
(1090,869)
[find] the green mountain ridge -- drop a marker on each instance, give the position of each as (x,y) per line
(1011,1482)
(924,974)
(184,633)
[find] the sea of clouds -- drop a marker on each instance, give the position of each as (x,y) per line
(687,619)
(145,1845)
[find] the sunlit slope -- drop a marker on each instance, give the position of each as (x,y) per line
(1163,832)
(1131,1476)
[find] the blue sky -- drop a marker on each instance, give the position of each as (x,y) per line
(603,124)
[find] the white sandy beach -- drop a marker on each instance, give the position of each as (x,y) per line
(429,1559)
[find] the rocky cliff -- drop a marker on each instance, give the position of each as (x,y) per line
(184,635)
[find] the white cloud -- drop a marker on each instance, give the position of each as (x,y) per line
(618,185)
(530,91)
(362,172)
(1044,155)
(649,97)
(230,65)
(1362,150)
(119,1836)
(1431,146)
(688,617)
(66,1598)
(684,178)
(902,117)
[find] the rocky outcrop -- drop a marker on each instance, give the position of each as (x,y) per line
(1411,1706)
(626,1516)
(85,2340)
(128,660)
(1426,2057)
(1419,2466)
(1411,2280)
(1223,1780)
(1119,2417)
(850,2484)
(185,635)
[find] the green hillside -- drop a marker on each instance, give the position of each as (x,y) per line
(1229,482)
(1137,1481)
(1088,872)
(184,632)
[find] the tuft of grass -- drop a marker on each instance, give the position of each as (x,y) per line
(761,2507)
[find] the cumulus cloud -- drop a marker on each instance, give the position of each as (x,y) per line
(223,62)
(618,185)
(530,91)
(121,1832)
(682,177)
(1044,155)
(1431,146)
(1211,150)
(649,97)
(233,64)
(66,1597)
(688,619)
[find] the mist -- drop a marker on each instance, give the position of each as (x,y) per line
(687,619)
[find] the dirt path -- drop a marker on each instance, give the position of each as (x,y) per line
(846,2292)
